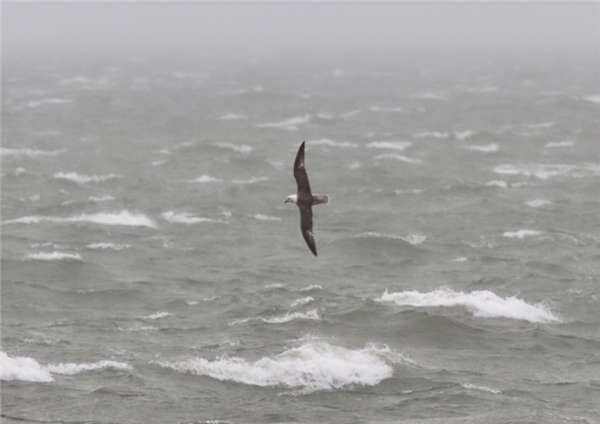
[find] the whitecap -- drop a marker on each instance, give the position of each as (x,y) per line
(206,179)
(83,179)
(158,315)
(266,218)
(32,153)
(311,315)
(522,233)
(72,369)
(497,183)
(311,287)
(396,145)
(53,256)
(302,301)
(396,156)
(536,203)
(239,149)
(481,303)
(251,180)
(545,171)
(481,388)
(183,218)
(105,246)
(386,109)
(23,368)
(463,135)
(48,101)
(433,134)
(554,144)
(487,148)
(233,117)
(592,99)
(314,366)
(124,217)
(328,142)
(414,239)
(288,124)
(105,198)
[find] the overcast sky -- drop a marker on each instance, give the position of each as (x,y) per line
(233,27)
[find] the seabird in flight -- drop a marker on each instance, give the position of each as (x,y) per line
(305,200)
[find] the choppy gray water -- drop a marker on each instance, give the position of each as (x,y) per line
(151,272)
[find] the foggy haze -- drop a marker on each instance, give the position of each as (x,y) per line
(239,28)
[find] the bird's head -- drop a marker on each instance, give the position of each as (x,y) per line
(292,198)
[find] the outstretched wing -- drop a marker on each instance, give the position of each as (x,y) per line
(306,225)
(300,173)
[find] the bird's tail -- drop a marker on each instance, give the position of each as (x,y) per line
(318,200)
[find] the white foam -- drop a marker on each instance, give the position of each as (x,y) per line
(414,239)
(48,101)
(481,303)
(396,156)
(266,218)
(72,369)
(396,145)
(83,179)
(302,301)
(545,171)
(252,180)
(158,315)
(487,148)
(386,109)
(311,315)
(289,124)
(497,183)
(481,388)
(554,144)
(592,98)
(105,198)
(233,117)
(463,135)
(53,256)
(314,366)
(32,153)
(522,233)
(22,368)
(124,217)
(206,179)
(536,203)
(105,246)
(433,134)
(311,287)
(183,218)
(235,147)
(328,142)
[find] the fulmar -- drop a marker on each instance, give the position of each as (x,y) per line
(305,200)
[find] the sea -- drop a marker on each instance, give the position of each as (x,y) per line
(152,273)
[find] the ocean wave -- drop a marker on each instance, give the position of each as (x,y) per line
(481,303)
(481,388)
(240,149)
(314,366)
(261,217)
(105,198)
(414,239)
(328,142)
(72,369)
(53,256)
(158,315)
(32,153)
(301,302)
(205,179)
(288,124)
(311,315)
(433,134)
(497,183)
(23,368)
(232,117)
(105,246)
(487,148)
(48,101)
(396,145)
(536,203)
(545,171)
(124,217)
(386,109)
(83,179)
(28,369)
(396,156)
(592,99)
(522,233)
(252,180)
(554,144)
(184,218)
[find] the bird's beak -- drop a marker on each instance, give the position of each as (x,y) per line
(286,200)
